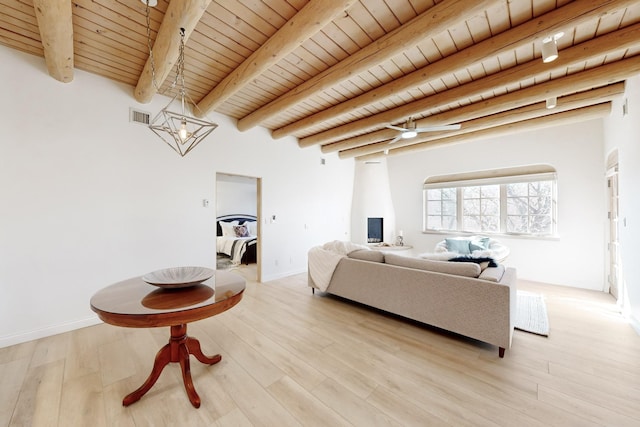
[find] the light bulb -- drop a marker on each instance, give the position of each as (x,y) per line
(182,133)
(409,134)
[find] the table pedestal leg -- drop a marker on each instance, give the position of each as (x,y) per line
(178,349)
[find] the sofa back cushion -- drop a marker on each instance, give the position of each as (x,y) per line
(367,255)
(467,269)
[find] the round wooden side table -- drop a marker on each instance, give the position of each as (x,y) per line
(134,303)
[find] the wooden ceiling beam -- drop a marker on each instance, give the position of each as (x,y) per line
(577,55)
(180,14)
(308,21)
(532,111)
(56,32)
(507,103)
(570,15)
(428,24)
(564,118)
(362,140)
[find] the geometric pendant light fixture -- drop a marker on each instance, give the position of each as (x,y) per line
(175,124)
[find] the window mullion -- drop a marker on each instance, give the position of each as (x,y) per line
(459,202)
(503,208)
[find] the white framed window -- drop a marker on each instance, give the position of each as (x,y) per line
(442,208)
(520,201)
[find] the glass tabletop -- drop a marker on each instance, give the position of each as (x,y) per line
(136,303)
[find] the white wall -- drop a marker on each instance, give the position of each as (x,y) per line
(372,199)
(623,133)
(89,199)
(576,258)
(236,195)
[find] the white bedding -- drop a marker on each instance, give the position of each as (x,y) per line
(227,245)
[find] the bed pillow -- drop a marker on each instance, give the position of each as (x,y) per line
(252,226)
(241,231)
(227,228)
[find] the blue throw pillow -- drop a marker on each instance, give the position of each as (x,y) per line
(460,246)
(479,244)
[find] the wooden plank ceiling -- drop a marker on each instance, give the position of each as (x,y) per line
(335,73)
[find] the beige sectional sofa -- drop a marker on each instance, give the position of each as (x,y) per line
(460,297)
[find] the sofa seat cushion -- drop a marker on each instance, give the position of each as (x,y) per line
(493,274)
(367,255)
(467,269)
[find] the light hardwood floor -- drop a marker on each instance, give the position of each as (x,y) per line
(292,358)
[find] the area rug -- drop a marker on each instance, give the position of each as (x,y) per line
(223,262)
(531,315)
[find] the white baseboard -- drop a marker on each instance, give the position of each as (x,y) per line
(9,340)
(271,277)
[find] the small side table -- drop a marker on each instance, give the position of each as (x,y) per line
(134,303)
(390,248)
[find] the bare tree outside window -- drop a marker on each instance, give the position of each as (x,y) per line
(530,207)
(481,208)
(441,205)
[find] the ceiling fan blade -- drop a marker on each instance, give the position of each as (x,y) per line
(438,128)
(396,139)
(401,129)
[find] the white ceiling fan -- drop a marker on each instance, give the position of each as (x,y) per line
(411,131)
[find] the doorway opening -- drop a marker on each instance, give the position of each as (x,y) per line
(238,217)
(614,281)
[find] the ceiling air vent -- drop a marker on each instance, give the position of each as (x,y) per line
(137,116)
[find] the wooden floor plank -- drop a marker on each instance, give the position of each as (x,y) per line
(409,414)
(594,413)
(82,402)
(264,371)
(266,349)
(355,410)
(308,410)
(252,399)
(21,391)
